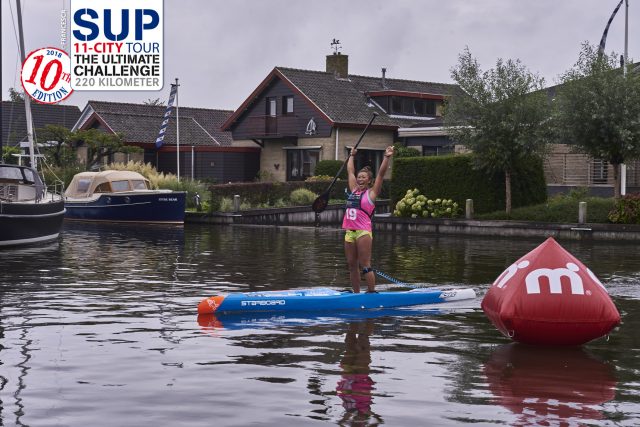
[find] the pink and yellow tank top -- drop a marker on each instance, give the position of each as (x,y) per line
(359,210)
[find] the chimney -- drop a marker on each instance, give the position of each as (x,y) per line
(338,64)
(384,80)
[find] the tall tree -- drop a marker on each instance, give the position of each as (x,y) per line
(597,109)
(57,139)
(15,95)
(155,102)
(101,146)
(502,115)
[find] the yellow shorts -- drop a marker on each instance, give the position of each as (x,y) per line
(352,235)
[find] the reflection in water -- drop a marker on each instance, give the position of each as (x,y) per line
(549,384)
(355,387)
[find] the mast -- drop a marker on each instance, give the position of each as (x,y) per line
(27,102)
(623,167)
(177,132)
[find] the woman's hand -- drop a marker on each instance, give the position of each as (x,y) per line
(353,152)
(389,151)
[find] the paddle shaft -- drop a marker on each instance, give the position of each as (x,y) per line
(347,159)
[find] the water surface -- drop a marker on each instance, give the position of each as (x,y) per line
(100,328)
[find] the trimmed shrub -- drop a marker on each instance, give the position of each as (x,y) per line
(302,196)
(331,168)
(626,210)
(559,208)
(455,177)
(402,151)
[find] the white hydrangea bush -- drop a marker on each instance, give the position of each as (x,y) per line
(416,205)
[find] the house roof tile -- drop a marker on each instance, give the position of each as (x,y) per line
(347,100)
(14,123)
(140,123)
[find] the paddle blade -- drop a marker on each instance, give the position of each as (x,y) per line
(320,204)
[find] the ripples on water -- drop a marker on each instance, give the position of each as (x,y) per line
(100,329)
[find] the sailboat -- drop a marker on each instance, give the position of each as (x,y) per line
(29,211)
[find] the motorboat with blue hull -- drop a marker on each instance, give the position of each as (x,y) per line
(122,196)
(29,213)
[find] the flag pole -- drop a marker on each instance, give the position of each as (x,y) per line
(177,132)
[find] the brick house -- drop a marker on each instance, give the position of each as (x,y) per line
(300,117)
(205,153)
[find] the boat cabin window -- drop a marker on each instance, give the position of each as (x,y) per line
(139,184)
(11,174)
(120,185)
(83,185)
(28,175)
(103,188)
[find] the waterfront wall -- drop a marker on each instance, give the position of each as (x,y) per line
(332,217)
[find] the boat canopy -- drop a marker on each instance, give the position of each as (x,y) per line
(85,184)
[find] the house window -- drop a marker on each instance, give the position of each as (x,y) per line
(301,163)
(600,171)
(438,150)
(396,105)
(413,106)
(371,158)
(271,106)
(287,105)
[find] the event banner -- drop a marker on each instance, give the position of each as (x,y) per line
(116,45)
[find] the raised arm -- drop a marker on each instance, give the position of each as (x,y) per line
(351,171)
(382,170)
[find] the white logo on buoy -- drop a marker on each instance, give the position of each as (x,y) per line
(510,272)
(554,277)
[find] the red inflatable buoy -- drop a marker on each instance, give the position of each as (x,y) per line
(548,297)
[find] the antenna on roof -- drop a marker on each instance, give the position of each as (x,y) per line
(335,44)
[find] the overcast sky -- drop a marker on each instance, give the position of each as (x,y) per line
(220,50)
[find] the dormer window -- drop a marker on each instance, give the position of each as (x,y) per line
(412,106)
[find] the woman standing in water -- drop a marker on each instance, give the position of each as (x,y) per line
(360,207)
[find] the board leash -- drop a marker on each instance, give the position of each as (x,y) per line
(397,282)
(389,278)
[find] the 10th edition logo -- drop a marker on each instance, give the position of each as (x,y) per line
(117,45)
(46,75)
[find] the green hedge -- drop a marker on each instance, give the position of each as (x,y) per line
(270,192)
(454,177)
(331,168)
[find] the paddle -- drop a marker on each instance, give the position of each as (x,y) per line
(320,204)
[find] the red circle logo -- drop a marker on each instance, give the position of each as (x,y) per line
(46,75)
